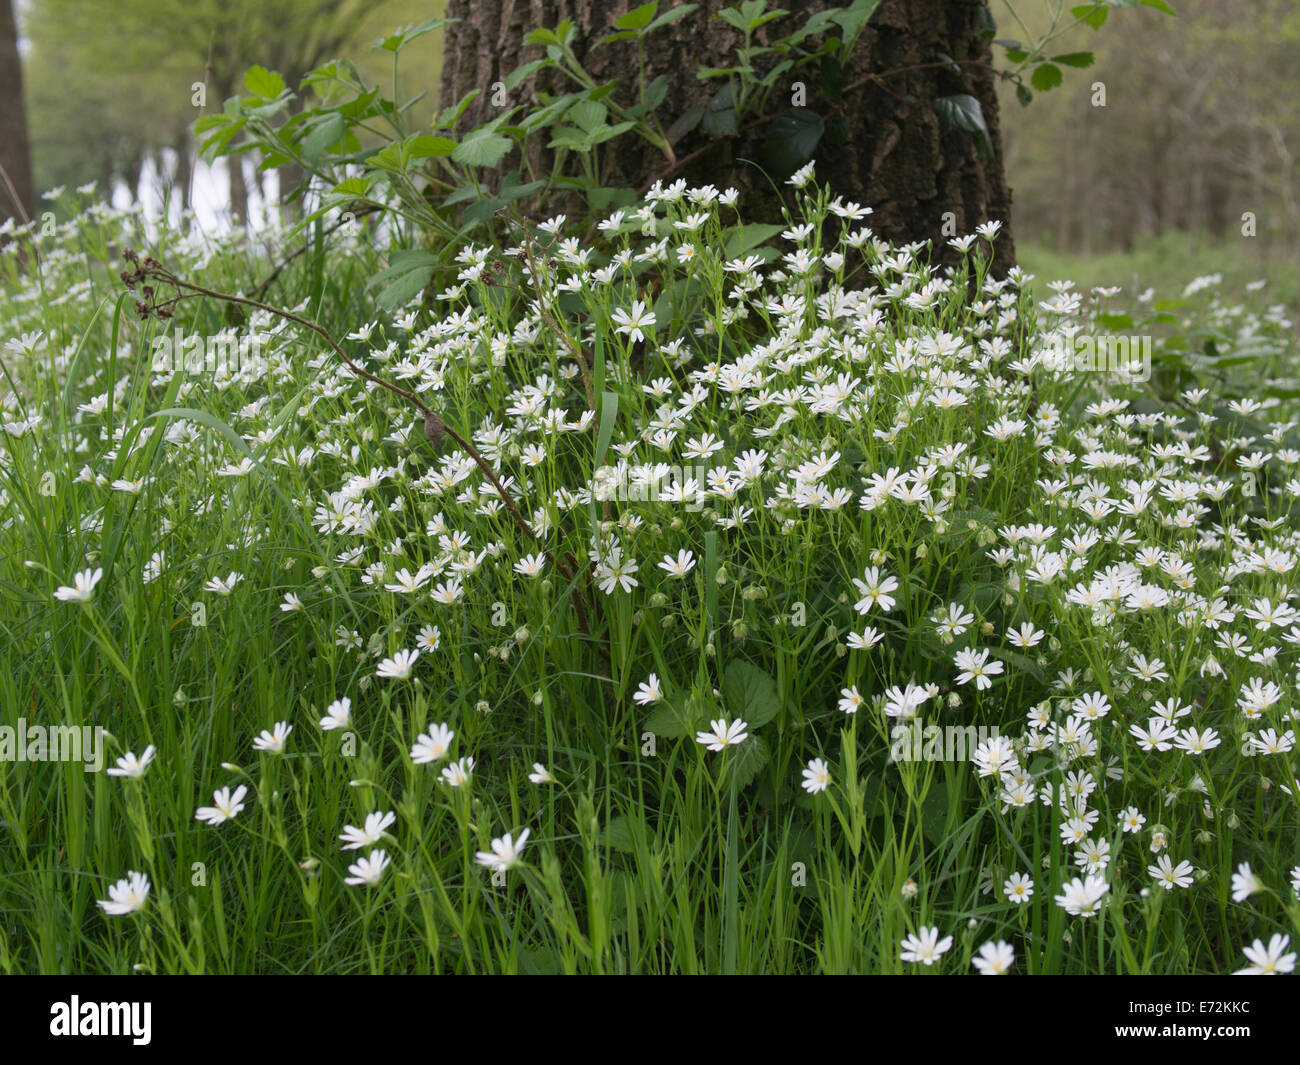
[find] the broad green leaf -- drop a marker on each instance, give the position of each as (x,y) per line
(746,761)
(1093,15)
(1046,76)
(639,17)
(749,693)
(964,112)
(792,138)
(263,83)
(1075,59)
(482,149)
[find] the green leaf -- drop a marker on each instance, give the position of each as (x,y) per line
(749,693)
(852,19)
(407,274)
(426,147)
(681,716)
(639,17)
(1093,15)
(720,117)
(326,132)
(1160,5)
(681,11)
(740,239)
(792,138)
(587,115)
(745,762)
(934,812)
(481,148)
(263,83)
(964,112)
(1046,76)
(656,91)
(1075,59)
(618,835)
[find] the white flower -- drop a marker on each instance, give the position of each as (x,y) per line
(540,774)
(723,734)
(1264,961)
(632,324)
(994,959)
(817,776)
(648,691)
(131,766)
(369,869)
(273,741)
(226,806)
(225,587)
(505,852)
(925,946)
(83,586)
(399,666)
(126,895)
(355,838)
(1244,883)
(458,773)
(1081,898)
(432,745)
(874,591)
(337,714)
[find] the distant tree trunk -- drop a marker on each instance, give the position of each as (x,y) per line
(899,158)
(134,171)
(238,190)
(184,172)
(291,175)
(17,194)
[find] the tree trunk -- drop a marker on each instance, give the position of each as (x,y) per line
(238,190)
(899,158)
(291,176)
(17,194)
(184,172)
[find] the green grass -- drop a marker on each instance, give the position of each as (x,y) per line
(1169,262)
(647,853)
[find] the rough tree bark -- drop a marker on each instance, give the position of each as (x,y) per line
(17,194)
(900,159)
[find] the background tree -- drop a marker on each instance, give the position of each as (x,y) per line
(17,196)
(883,142)
(112,80)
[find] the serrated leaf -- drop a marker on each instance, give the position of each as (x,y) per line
(1046,76)
(427,147)
(749,693)
(263,83)
(618,834)
(482,149)
(681,11)
(638,18)
(964,112)
(740,239)
(1093,15)
(326,132)
(792,138)
(681,716)
(747,760)
(587,115)
(1075,59)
